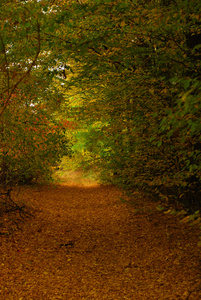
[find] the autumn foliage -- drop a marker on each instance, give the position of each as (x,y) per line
(31,143)
(127,73)
(141,87)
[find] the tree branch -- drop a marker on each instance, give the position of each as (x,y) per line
(6,64)
(26,73)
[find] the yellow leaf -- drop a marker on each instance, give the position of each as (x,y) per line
(123,23)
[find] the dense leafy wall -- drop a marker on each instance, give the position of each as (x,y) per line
(141,67)
(32,138)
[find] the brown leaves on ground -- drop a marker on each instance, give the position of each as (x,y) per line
(84,243)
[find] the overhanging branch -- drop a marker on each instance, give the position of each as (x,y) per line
(26,73)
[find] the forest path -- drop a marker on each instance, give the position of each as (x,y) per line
(84,243)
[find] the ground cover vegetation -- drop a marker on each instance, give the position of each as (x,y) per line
(120,80)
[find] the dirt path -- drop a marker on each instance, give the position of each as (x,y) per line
(84,243)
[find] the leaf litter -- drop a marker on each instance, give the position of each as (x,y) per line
(84,243)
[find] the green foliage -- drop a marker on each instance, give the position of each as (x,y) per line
(32,139)
(140,77)
(131,80)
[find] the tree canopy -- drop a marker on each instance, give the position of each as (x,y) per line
(127,73)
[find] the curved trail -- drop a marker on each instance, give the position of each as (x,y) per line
(84,243)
